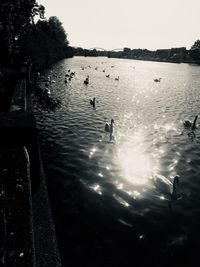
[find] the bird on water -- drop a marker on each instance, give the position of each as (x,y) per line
(190,124)
(93,102)
(168,187)
(109,128)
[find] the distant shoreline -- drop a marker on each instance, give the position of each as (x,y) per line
(173,55)
(153,60)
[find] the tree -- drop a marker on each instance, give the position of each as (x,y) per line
(45,43)
(15,17)
(195,51)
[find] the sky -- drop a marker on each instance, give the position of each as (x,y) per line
(111,24)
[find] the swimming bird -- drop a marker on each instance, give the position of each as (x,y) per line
(86,80)
(117,79)
(109,127)
(108,75)
(190,124)
(175,193)
(166,186)
(157,80)
(93,102)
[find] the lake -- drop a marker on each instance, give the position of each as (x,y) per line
(111,198)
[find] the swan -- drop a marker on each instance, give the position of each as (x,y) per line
(109,127)
(166,186)
(190,124)
(93,102)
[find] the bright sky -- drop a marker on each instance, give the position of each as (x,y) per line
(111,24)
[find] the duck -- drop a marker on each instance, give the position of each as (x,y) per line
(86,81)
(93,102)
(157,80)
(117,79)
(109,127)
(108,75)
(166,186)
(190,124)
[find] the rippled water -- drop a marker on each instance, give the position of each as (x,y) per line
(111,200)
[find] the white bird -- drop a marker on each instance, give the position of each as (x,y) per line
(190,124)
(93,102)
(109,127)
(166,186)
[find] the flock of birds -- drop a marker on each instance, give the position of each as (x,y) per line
(166,186)
(171,187)
(162,183)
(68,76)
(109,127)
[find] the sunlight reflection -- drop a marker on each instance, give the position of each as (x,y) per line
(92,152)
(173,165)
(141,236)
(135,163)
(119,185)
(96,188)
(121,200)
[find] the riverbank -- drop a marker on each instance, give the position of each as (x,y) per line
(25,190)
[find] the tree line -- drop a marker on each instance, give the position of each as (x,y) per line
(176,55)
(21,38)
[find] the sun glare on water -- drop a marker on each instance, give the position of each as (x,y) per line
(135,163)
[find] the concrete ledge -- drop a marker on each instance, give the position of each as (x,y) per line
(16,231)
(19,98)
(46,247)
(19,129)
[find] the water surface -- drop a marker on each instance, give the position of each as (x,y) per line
(110,198)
